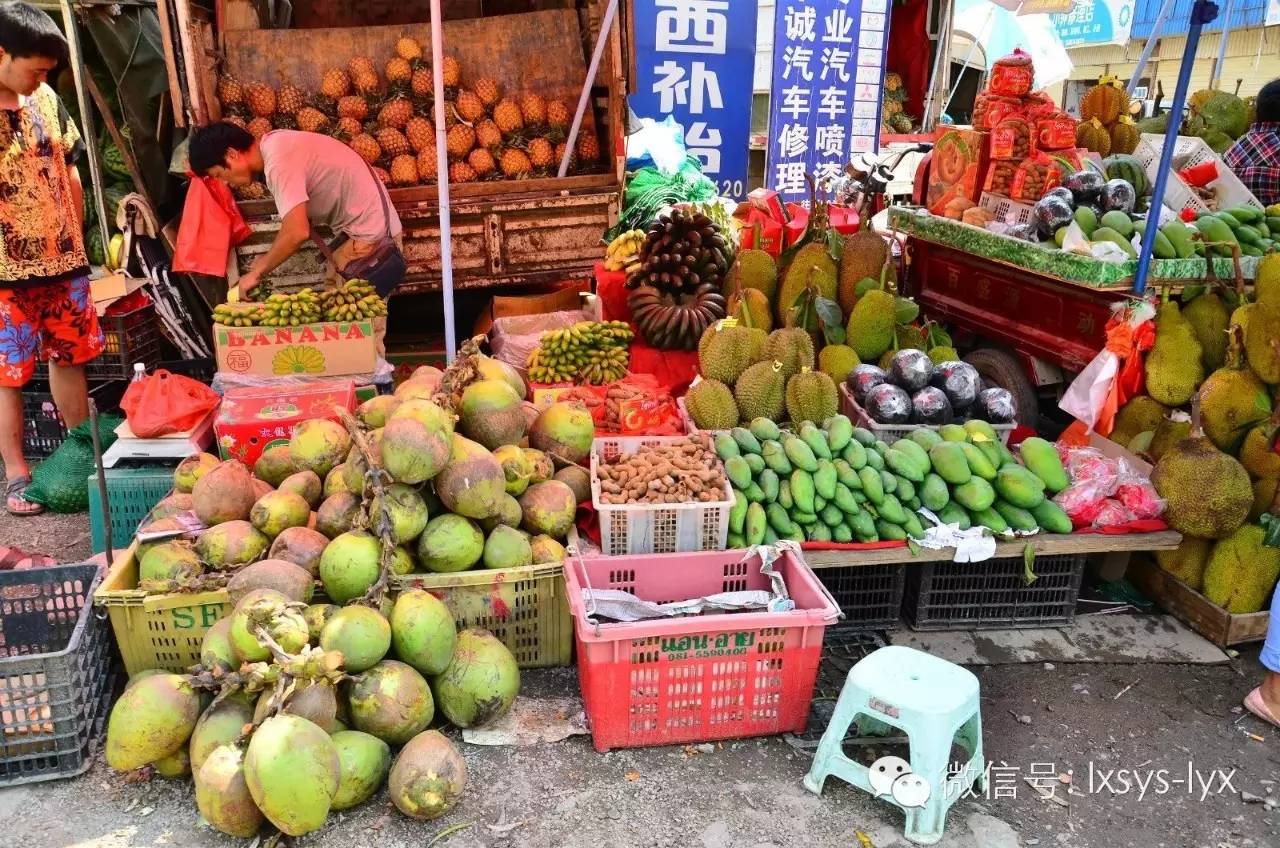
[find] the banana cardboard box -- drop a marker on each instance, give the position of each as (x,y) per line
(325,349)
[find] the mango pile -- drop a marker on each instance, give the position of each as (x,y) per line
(835,482)
(1255,231)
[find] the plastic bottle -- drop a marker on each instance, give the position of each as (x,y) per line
(139,373)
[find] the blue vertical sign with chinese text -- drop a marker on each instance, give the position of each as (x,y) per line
(828,77)
(694,62)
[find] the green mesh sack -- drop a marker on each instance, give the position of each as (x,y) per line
(61,481)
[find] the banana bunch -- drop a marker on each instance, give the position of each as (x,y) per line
(592,352)
(352,301)
(241,314)
(623,253)
(291,310)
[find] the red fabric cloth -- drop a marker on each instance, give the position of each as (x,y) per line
(1147,525)
(674,369)
(908,27)
(611,288)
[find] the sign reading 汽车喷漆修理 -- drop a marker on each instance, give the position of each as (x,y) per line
(694,61)
(828,79)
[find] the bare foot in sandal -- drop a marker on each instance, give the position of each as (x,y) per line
(1261,703)
(15,502)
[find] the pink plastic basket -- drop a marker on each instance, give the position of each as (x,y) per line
(699,678)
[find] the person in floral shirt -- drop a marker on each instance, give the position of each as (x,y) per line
(46,312)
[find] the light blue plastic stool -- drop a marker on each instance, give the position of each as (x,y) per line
(932,701)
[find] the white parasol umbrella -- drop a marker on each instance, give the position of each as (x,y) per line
(999,30)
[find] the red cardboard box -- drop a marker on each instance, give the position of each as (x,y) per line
(252,419)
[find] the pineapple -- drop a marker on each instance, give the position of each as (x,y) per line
(353,106)
(311,119)
(559,155)
(508,116)
(421,135)
(230,91)
(335,83)
(451,71)
(348,128)
(259,127)
(588,148)
(534,109)
(253,191)
(558,115)
(488,135)
(395,113)
(361,65)
(398,71)
(408,48)
(469,105)
(541,153)
(367,147)
(235,119)
(461,172)
(290,99)
(393,142)
(427,170)
(261,99)
(460,140)
(366,82)
(481,161)
(487,91)
(515,163)
(383,175)
(404,170)
(421,83)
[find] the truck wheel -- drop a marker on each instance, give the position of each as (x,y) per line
(1001,368)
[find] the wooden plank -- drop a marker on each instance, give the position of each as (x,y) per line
(171,63)
(126,152)
(191,64)
(1194,609)
(1045,544)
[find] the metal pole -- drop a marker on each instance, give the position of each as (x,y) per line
(102,482)
(941,61)
(1222,43)
(442,182)
(78,72)
(1202,13)
(583,98)
(1165,8)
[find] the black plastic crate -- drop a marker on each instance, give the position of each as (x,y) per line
(869,596)
(55,673)
(128,338)
(994,594)
(42,425)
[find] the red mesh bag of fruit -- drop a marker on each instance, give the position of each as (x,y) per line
(1013,75)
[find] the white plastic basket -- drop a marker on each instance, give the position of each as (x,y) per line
(643,528)
(1189,151)
(1006,210)
(890,433)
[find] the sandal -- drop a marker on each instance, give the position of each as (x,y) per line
(1253,703)
(14,491)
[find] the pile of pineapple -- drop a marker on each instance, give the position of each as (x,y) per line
(893,116)
(387,120)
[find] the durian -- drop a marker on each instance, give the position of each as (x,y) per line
(836,361)
(791,346)
(760,391)
(725,350)
(811,396)
(711,405)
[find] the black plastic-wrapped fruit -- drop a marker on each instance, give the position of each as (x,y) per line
(1118,195)
(910,369)
(863,379)
(930,406)
(995,405)
(1051,212)
(1063,192)
(1025,232)
(888,404)
(1085,186)
(959,381)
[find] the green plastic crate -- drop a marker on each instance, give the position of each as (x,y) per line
(132,492)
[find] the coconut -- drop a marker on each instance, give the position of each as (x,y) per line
(549,508)
(507,547)
(543,467)
(292,771)
(472,483)
(222,794)
(221,724)
(517,467)
(192,469)
(427,413)
(403,561)
(338,514)
(274,465)
(412,452)
(427,777)
(490,413)
(564,431)
(170,506)
(231,544)
(306,485)
(427,372)
(481,681)
(392,701)
(143,675)
(152,719)
(318,445)
(354,472)
(416,389)
(364,761)
(177,764)
(270,610)
(495,369)
(509,513)
(167,564)
(546,550)
(423,633)
(335,481)
(216,650)
(360,634)
(374,412)
(406,510)
(315,701)
(578,479)
(292,581)
(224,493)
(277,511)
(450,543)
(261,488)
(350,565)
(316,616)
(301,546)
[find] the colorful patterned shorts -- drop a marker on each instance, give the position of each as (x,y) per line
(54,322)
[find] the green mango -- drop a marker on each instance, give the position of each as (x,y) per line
(872,485)
(804,518)
(775,457)
(738,512)
(1179,235)
(747,442)
(1041,458)
(738,472)
(764,429)
(839,433)
(825,479)
(975,495)
(754,493)
(889,482)
(913,526)
(784,495)
(757,523)
(802,490)
(1087,219)
(1051,518)
(855,453)
(1163,248)
(831,515)
(953,513)
(846,475)
(816,440)
(948,461)
(905,490)
(989,518)
(1118,221)
(800,454)
(1108,234)
(1019,486)
(779,520)
(841,533)
(875,460)
(726,446)
(979,465)
(925,438)
(1245,213)
(844,499)
(768,483)
(904,465)
(934,494)
(1016,517)
(891,510)
(953,433)
(820,533)
(863,526)
(755,462)
(890,532)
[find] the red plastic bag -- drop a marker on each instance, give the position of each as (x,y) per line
(165,403)
(211,225)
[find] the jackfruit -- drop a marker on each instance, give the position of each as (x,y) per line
(1266,285)
(836,361)
(1172,429)
(1262,341)
(871,325)
(1257,455)
(1173,366)
(1232,400)
(811,266)
(753,269)
(1241,571)
(752,309)
(886,359)
(725,351)
(1207,493)
(711,406)
(1140,415)
(1208,317)
(1187,561)
(1241,317)
(943,354)
(761,391)
(864,255)
(1264,497)
(792,347)
(910,338)
(811,396)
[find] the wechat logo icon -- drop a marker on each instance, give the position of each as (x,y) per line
(892,776)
